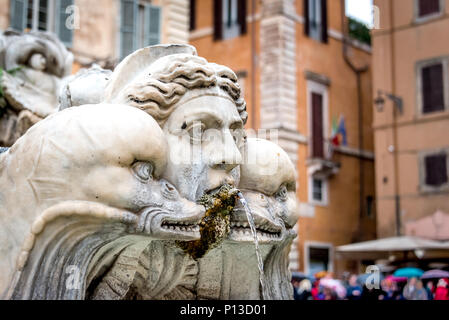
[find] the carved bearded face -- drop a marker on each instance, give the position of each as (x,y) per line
(199,108)
(203,136)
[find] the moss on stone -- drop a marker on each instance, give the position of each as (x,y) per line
(215,226)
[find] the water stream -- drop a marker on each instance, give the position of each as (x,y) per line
(249,216)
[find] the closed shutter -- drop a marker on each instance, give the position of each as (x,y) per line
(432,87)
(218,19)
(427,7)
(152,25)
(18,14)
(306,18)
(436,170)
(128,28)
(192,20)
(317,126)
(64,29)
(324,36)
(242,16)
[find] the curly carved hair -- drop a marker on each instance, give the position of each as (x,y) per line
(164,88)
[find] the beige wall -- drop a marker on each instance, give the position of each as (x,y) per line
(396,59)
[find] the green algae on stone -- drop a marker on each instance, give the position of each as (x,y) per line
(215,226)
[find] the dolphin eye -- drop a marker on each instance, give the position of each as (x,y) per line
(281,194)
(143,170)
(169,191)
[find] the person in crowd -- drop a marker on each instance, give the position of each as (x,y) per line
(304,290)
(295,284)
(410,288)
(317,292)
(354,290)
(372,293)
(390,289)
(329,294)
(442,291)
(429,290)
(420,292)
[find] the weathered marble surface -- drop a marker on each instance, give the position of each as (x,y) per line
(108,188)
(33,66)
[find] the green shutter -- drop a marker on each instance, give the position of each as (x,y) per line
(18,11)
(129,14)
(65,34)
(152,25)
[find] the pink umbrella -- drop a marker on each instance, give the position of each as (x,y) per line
(397,279)
(335,285)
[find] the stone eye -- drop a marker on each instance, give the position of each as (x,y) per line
(143,170)
(37,61)
(281,194)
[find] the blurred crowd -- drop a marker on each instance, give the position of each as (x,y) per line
(356,287)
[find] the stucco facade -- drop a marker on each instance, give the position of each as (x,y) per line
(340,220)
(403,43)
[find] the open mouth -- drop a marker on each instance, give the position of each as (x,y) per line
(180,226)
(242,231)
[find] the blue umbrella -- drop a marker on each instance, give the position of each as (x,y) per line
(408,272)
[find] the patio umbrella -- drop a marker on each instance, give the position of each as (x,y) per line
(408,272)
(435,274)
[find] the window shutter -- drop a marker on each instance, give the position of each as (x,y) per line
(128,27)
(427,7)
(436,170)
(432,87)
(218,19)
(152,25)
(192,21)
(18,14)
(242,16)
(324,36)
(317,126)
(65,34)
(306,18)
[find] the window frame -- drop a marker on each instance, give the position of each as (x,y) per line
(323,27)
(324,202)
(423,187)
(139,31)
(419,84)
(319,245)
(422,19)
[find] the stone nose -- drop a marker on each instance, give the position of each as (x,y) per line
(228,156)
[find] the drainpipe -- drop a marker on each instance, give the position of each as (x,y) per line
(253,64)
(358,73)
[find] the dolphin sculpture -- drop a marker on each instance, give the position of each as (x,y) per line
(77,189)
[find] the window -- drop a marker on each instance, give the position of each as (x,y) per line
(140,26)
(432,86)
(229,18)
(318,257)
(315,14)
(369,206)
(428,8)
(434,171)
(44,15)
(192,20)
(318,191)
(317,126)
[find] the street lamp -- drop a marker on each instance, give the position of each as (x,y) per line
(380,101)
(398,106)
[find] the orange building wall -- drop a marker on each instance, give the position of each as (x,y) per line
(338,223)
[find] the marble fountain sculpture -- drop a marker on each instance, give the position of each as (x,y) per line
(144,186)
